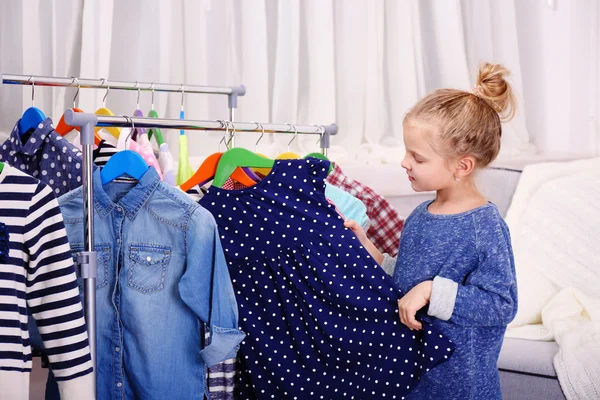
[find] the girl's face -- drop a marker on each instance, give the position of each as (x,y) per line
(426,169)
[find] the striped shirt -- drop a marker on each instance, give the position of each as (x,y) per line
(37,272)
(103,152)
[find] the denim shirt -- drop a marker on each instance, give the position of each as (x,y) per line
(161,273)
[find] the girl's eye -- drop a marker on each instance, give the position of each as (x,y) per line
(418,161)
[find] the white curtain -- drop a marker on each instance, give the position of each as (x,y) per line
(359,63)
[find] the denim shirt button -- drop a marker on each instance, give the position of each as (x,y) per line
(119,384)
(117,349)
(120,209)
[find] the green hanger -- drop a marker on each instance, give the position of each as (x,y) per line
(317,155)
(153,114)
(235,158)
(321,157)
(156,131)
(1,166)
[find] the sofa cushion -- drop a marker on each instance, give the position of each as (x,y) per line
(498,185)
(528,356)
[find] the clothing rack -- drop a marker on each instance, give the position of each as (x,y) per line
(83,119)
(87,258)
(87,122)
(232,92)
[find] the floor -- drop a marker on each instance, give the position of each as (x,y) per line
(37,383)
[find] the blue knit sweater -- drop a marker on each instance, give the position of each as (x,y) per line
(470,260)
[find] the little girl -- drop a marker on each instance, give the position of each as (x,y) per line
(455,251)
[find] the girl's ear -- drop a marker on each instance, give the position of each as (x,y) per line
(465,166)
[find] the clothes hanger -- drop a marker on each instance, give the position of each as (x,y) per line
(207,172)
(236,158)
(63,129)
(153,114)
(247,171)
(317,154)
(106,112)
(262,171)
(321,156)
(289,155)
(138,112)
(208,169)
(184,169)
(33,116)
(126,162)
(182,111)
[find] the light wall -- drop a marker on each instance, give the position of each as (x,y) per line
(559,62)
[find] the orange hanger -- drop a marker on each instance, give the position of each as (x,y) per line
(62,128)
(207,171)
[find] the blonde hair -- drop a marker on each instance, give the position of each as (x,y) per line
(469,123)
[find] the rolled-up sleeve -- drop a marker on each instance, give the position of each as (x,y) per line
(389,264)
(206,288)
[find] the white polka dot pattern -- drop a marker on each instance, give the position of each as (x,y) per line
(40,156)
(320,315)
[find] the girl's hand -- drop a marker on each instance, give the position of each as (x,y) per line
(364,240)
(358,231)
(416,298)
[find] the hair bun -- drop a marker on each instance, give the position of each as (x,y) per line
(495,90)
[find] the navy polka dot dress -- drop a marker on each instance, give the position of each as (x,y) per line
(320,315)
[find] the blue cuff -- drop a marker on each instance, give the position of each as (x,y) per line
(224,344)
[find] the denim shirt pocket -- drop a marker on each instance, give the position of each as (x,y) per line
(148,265)
(102,263)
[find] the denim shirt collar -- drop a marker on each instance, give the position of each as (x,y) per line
(132,201)
(34,142)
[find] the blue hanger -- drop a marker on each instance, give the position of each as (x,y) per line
(182,112)
(125,162)
(33,116)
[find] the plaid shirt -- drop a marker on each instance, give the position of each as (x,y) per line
(386,224)
(230,184)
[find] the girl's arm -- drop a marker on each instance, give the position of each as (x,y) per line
(488,297)
(386,262)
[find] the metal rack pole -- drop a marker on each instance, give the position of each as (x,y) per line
(87,259)
(233,98)
(209,125)
(13,79)
(232,92)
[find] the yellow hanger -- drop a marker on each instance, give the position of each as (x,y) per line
(288,155)
(106,112)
